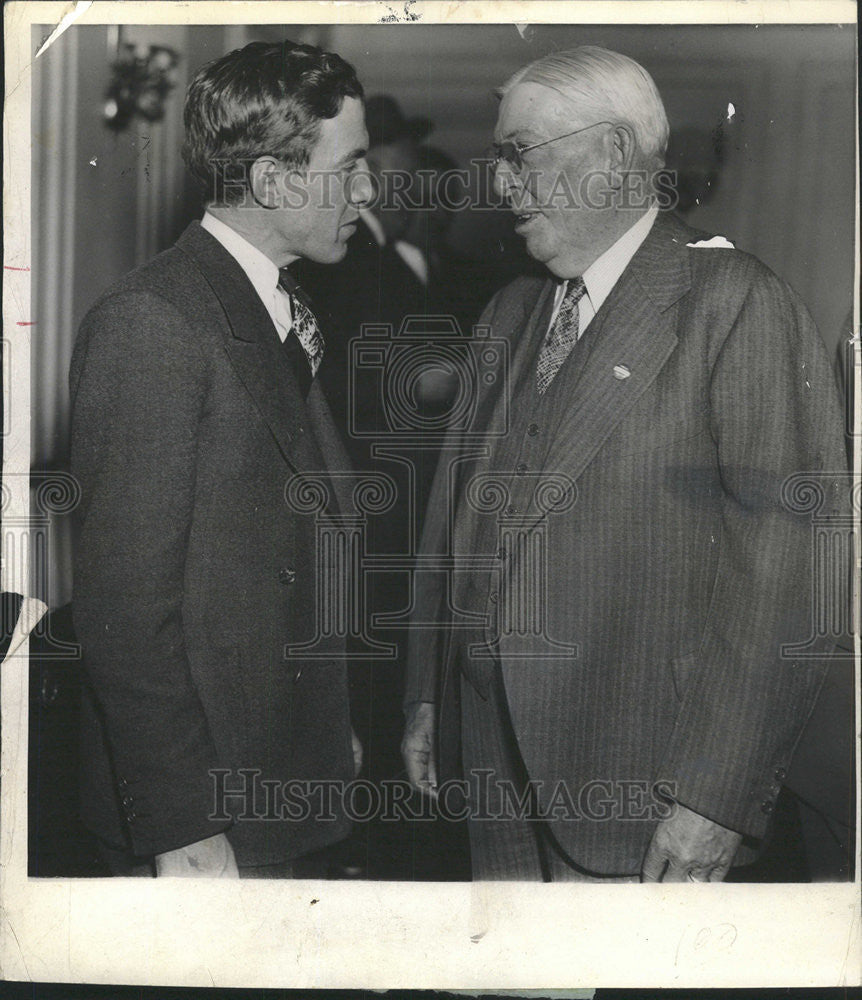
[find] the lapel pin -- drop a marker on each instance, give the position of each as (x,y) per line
(621,371)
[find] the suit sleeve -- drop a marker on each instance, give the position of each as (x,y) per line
(775,413)
(427,643)
(138,385)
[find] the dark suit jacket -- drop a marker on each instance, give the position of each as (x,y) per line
(678,572)
(192,572)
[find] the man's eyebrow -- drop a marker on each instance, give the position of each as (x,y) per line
(355,154)
(525,133)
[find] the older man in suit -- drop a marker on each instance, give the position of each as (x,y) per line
(625,709)
(195,401)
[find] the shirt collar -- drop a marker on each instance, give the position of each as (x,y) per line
(261,271)
(601,276)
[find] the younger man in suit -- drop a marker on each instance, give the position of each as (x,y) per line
(195,400)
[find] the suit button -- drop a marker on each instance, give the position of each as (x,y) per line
(131,815)
(533,430)
(128,801)
(122,784)
(501,554)
(492,597)
(780,774)
(521,468)
(287,576)
(297,675)
(767,807)
(511,509)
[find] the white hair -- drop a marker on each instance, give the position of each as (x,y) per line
(605,85)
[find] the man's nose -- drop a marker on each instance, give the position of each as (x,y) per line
(505,180)
(361,187)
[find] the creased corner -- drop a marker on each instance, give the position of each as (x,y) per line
(75,11)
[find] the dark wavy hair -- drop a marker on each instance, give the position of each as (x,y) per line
(263,99)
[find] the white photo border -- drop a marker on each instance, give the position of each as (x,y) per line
(373,935)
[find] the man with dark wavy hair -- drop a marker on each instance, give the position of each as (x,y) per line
(195,400)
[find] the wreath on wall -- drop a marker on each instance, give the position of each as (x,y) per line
(142,77)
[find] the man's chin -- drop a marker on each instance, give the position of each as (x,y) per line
(337,252)
(550,257)
(538,249)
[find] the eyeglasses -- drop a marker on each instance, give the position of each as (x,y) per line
(511,153)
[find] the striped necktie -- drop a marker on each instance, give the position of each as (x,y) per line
(563,335)
(305,325)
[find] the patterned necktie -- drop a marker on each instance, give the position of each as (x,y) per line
(304,321)
(562,337)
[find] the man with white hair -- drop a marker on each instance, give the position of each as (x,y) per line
(616,679)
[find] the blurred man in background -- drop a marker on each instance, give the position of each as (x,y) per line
(382,280)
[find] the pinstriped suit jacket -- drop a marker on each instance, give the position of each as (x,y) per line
(678,573)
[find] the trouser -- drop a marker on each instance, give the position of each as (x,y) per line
(520,845)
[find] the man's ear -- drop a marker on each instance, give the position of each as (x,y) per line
(266,178)
(623,153)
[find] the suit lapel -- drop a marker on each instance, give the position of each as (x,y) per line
(633,335)
(473,532)
(251,343)
(494,407)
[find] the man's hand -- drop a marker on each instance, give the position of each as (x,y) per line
(694,848)
(417,747)
(210,858)
(357,752)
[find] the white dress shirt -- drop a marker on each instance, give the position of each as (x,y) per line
(261,271)
(601,276)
